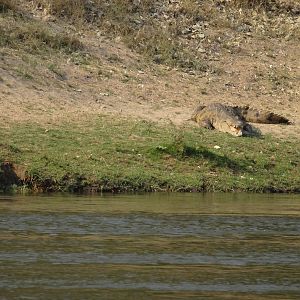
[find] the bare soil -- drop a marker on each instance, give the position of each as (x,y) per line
(263,73)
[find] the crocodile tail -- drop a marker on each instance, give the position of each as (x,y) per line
(255,116)
(273,118)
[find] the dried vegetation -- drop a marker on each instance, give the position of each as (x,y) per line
(175,33)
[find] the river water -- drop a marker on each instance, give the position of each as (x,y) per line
(158,246)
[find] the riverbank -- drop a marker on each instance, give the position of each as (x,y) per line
(125,155)
(96,96)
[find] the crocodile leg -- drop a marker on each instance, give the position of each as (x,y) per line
(206,124)
(249,130)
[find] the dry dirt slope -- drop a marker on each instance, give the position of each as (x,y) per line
(107,77)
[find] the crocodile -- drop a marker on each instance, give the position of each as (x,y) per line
(234,119)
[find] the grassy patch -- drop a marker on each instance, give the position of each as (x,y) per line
(174,34)
(57,71)
(251,3)
(141,25)
(139,156)
(24,73)
(6,5)
(35,37)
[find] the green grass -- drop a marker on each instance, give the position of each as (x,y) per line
(121,155)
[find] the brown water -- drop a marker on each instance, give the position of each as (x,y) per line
(159,246)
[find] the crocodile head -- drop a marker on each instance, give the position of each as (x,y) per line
(236,128)
(231,125)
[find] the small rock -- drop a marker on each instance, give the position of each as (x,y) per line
(104,94)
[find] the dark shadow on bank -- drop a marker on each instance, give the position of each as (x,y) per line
(183,152)
(11,175)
